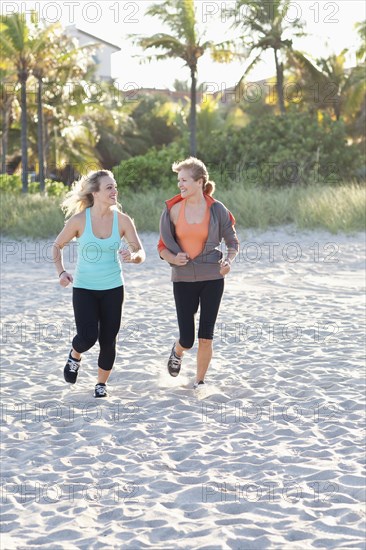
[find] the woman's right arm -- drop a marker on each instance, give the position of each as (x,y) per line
(70,231)
(176,259)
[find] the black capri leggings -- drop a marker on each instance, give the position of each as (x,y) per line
(188,296)
(98,317)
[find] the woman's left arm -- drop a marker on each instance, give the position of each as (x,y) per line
(229,235)
(135,252)
(231,240)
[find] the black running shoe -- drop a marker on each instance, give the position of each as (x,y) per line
(71,369)
(196,384)
(100,390)
(174,363)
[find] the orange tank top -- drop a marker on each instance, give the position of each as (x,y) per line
(192,237)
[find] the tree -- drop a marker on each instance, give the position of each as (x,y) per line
(156,121)
(74,120)
(265,27)
(184,43)
(45,58)
(116,133)
(210,124)
(54,56)
(361,52)
(16,44)
(66,99)
(331,85)
(7,98)
(181,85)
(359,123)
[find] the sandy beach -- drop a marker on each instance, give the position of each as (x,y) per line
(271,457)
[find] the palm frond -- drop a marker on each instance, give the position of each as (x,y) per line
(189,21)
(160,40)
(249,68)
(304,63)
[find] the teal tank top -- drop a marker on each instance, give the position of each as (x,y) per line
(98,266)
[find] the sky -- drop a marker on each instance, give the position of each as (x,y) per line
(330,26)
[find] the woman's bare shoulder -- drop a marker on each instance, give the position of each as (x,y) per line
(174,212)
(123,218)
(73,227)
(80,216)
(77,222)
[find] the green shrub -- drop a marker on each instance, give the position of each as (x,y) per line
(152,170)
(10,183)
(52,188)
(284,150)
(55,188)
(33,187)
(13,184)
(280,151)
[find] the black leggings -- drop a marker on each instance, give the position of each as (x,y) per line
(98,317)
(188,296)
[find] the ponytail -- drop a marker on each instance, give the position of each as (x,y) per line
(209,188)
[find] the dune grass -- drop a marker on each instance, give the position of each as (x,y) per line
(336,209)
(340,209)
(33,216)
(146,208)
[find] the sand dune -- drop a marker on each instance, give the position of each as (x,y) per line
(270,457)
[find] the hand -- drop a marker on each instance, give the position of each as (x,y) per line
(225,267)
(181,259)
(125,255)
(66,279)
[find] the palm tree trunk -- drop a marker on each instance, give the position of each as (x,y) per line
(279,85)
(4,138)
(40,134)
(24,143)
(47,148)
(337,107)
(192,120)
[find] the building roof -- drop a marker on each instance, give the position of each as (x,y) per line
(116,48)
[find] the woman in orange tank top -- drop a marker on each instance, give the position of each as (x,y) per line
(190,214)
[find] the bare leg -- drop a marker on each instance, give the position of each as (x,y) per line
(204,356)
(179,349)
(75,354)
(103,375)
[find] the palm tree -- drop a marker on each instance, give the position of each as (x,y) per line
(64,103)
(7,98)
(265,27)
(184,43)
(57,62)
(45,51)
(210,121)
(332,85)
(361,52)
(16,44)
(358,127)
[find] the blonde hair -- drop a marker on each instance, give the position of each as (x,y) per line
(198,170)
(80,196)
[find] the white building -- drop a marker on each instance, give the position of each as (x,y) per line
(102,54)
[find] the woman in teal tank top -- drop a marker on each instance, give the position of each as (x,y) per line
(98,226)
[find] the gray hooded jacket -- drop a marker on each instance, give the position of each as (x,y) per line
(204,267)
